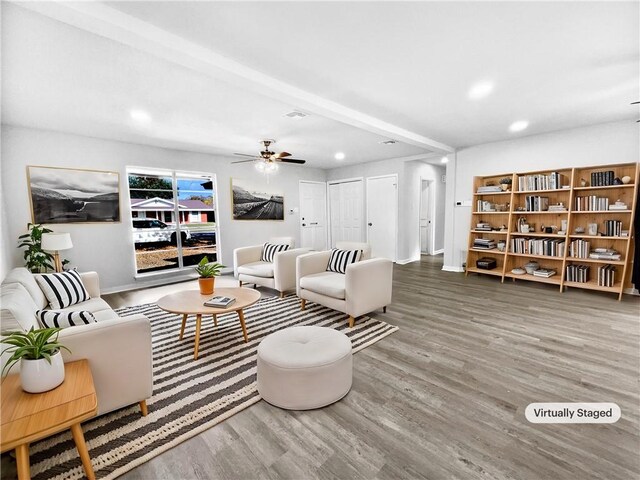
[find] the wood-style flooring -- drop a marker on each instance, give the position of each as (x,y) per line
(445,396)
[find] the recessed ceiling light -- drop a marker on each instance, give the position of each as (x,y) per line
(518,126)
(444,159)
(140,116)
(480,90)
(339,156)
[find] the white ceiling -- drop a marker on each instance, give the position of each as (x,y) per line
(367,71)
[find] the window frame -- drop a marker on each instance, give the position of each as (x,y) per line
(174,175)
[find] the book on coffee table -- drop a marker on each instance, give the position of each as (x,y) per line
(219,301)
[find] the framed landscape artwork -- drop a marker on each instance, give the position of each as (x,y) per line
(256,201)
(68,195)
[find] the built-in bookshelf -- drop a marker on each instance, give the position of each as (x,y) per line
(576,222)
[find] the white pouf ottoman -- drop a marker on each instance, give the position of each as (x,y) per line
(301,368)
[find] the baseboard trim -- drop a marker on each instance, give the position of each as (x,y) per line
(407,260)
(150,281)
(449,268)
(438,252)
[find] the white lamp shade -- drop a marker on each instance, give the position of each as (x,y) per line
(56,241)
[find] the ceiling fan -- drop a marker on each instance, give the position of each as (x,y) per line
(268,157)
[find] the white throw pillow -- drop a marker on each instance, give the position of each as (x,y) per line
(269,251)
(53,319)
(63,289)
(340,259)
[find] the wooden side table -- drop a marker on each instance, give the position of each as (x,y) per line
(28,417)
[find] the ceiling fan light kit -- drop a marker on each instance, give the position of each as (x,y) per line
(267,161)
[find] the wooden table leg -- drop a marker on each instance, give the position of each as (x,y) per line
(78,437)
(22,462)
(244,328)
(198,324)
(184,323)
(215,320)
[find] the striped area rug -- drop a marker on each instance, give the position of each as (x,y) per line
(189,396)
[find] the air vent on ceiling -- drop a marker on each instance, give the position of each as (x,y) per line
(389,142)
(296,115)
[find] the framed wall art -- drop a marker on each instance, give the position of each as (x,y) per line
(69,195)
(256,201)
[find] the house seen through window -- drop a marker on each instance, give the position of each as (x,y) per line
(173,219)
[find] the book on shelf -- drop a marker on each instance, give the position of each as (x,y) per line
(606,276)
(577,273)
(613,228)
(484,243)
(550,247)
(605,256)
(602,178)
(483,226)
(591,203)
(544,272)
(552,181)
(618,205)
(579,248)
(489,189)
(536,203)
(558,207)
(219,301)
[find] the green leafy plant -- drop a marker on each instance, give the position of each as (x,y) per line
(32,345)
(36,259)
(208,270)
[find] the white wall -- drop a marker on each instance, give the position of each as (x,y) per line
(108,248)
(598,144)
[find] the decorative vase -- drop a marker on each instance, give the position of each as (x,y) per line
(38,376)
(206,285)
(626,179)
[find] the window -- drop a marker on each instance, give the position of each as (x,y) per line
(157,200)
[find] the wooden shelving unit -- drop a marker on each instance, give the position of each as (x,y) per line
(511,213)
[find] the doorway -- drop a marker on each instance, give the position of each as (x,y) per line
(382,216)
(346,207)
(313,215)
(426,245)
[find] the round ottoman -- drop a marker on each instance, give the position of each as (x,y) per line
(301,368)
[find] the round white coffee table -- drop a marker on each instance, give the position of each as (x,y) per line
(191,302)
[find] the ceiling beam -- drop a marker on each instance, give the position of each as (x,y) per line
(110,23)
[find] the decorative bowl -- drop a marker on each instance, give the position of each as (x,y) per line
(531,267)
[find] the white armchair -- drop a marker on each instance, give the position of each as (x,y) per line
(366,285)
(279,275)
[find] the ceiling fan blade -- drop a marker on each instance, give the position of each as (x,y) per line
(291,160)
(282,155)
(245,155)
(243,161)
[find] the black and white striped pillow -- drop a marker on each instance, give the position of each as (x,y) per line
(340,259)
(63,289)
(53,319)
(269,251)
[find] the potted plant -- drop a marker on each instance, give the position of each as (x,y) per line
(208,273)
(36,259)
(505,183)
(39,353)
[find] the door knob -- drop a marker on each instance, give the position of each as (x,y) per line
(370,224)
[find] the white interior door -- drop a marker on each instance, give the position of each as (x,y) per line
(425,218)
(313,215)
(382,215)
(345,211)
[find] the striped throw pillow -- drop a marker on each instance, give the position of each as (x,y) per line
(62,289)
(340,259)
(53,319)
(269,251)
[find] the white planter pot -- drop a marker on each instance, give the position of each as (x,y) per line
(39,376)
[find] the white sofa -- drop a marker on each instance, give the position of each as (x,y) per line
(279,275)
(366,285)
(118,348)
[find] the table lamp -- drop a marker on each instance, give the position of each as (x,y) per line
(54,242)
